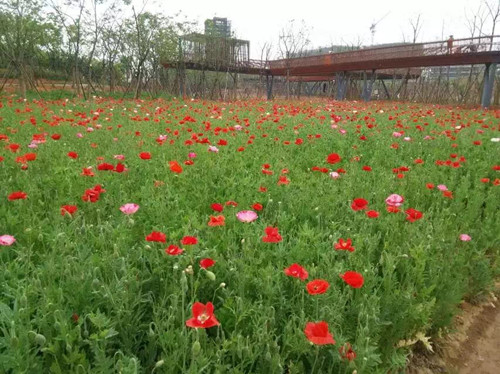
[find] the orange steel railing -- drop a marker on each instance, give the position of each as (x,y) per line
(458,46)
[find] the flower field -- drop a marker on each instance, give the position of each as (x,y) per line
(246,237)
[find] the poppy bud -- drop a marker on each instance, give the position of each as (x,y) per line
(196,348)
(159,364)
(40,339)
(210,275)
(268,356)
(184,284)
(14,341)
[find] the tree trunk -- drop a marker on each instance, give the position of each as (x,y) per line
(22,81)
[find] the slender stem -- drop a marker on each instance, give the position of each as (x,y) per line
(315,360)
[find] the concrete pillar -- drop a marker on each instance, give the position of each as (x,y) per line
(339,78)
(368,86)
(269,86)
(489,82)
(342,79)
(365,87)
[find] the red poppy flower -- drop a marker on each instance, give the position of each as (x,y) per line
(317,287)
(344,245)
(105,166)
(17,195)
(56,136)
(73,155)
(68,209)
(317,333)
(272,235)
(92,194)
(333,158)
(232,203)
(346,352)
(392,209)
(430,186)
(283,180)
(217,207)
(120,168)
(413,215)
(359,204)
(30,157)
(14,147)
(175,167)
(367,168)
(21,160)
(217,221)
(145,155)
(262,189)
(203,316)
(296,271)
(353,279)
(206,263)
(266,172)
(189,240)
(372,214)
(173,250)
(448,194)
(156,236)
(419,161)
(257,206)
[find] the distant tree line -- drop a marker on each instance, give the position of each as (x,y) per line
(88,45)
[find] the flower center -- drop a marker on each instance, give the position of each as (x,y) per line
(202,318)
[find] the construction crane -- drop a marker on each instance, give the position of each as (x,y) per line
(374,24)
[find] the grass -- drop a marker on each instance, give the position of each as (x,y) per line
(88,293)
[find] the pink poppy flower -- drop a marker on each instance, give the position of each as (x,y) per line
(129,208)
(247,216)
(192,155)
(334,175)
(7,240)
(119,157)
(465,237)
(394,200)
(442,187)
(213,148)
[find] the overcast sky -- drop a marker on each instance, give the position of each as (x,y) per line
(332,22)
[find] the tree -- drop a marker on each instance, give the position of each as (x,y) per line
(292,43)
(24,33)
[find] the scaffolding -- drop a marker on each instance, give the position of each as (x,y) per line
(214,52)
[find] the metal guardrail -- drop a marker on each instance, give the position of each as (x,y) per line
(469,46)
(457,46)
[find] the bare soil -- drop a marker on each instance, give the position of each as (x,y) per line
(472,348)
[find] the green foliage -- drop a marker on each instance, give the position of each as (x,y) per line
(88,294)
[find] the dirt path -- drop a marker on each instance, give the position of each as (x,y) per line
(481,351)
(474,347)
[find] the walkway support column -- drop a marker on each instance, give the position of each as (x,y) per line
(364,92)
(369,88)
(269,86)
(341,78)
(489,82)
